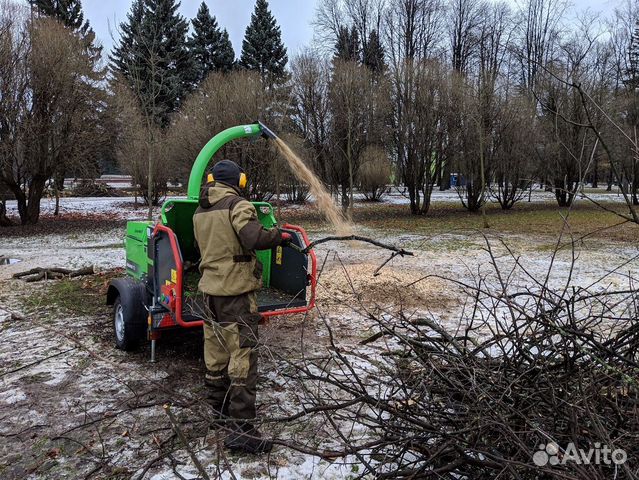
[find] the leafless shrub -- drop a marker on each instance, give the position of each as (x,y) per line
(223,101)
(138,143)
(374,174)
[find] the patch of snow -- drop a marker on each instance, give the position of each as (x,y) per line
(118,207)
(12,396)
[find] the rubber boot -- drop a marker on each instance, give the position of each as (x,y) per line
(244,437)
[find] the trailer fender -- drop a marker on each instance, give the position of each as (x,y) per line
(132,293)
(129,313)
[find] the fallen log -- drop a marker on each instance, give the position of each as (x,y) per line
(37,274)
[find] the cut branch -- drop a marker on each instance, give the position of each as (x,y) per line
(37,274)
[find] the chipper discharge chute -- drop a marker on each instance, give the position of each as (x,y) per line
(159,291)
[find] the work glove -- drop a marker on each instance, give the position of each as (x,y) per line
(286,238)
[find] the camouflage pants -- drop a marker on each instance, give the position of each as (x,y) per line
(230,341)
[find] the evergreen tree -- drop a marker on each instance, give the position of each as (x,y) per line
(347,47)
(262,48)
(210,47)
(69,12)
(373,54)
(123,58)
(152,55)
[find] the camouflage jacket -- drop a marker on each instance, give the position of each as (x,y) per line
(228,232)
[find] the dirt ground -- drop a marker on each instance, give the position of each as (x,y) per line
(73,406)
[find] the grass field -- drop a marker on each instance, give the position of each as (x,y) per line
(73,386)
(525,219)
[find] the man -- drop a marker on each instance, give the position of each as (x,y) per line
(228,232)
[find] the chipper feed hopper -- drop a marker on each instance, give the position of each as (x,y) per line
(159,292)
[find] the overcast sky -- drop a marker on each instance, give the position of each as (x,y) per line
(293,16)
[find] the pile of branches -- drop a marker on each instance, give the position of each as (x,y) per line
(538,382)
(91,188)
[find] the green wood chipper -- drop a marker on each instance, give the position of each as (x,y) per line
(159,291)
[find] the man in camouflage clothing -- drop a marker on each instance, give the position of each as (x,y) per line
(228,232)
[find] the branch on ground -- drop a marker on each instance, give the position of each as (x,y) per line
(37,274)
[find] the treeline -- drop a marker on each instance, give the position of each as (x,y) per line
(419,93)
(493,97)
(68,109)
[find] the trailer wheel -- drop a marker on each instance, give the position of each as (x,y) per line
(127,330)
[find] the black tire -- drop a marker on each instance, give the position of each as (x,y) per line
(126,326)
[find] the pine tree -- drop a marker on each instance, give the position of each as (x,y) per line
(262,48)
(152,55)
(68,12)
(347,47)
(373,54)
(210,47)
(123,58)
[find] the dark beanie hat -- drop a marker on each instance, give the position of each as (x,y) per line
(227,171)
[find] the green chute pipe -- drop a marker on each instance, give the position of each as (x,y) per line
(211,148)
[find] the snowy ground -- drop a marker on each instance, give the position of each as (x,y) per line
(72,406)
(123,207)
(114,207)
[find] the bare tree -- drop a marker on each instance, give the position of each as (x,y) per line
(51,102)
(413,31)
(621,27)
(467,141)
(333,16)
(569,145)
(421,131)
(479,40)
(14,47)
(359,106)
(466,18)
(492,28)
(139,151)
(311,109)
(515,129)
(145,97)
(539,32)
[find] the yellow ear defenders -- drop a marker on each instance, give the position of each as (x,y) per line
(243,180)
(241,184)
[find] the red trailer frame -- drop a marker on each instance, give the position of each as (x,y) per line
(174,292)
